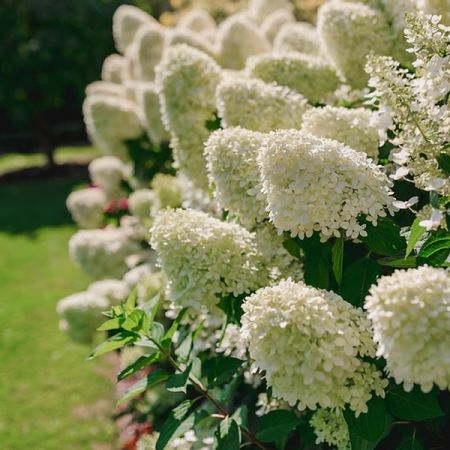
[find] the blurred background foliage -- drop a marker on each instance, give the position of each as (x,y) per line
(50,51)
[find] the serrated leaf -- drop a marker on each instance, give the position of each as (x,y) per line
(357,279)
(138,365)
(220,370)
(115,342)
(372,425)
(385,238)
(179,381)
(276,425)
(414,405)
(174,427)
(337,258)
(156,377)
(415,234)
(227,435)
(435,249)
(410,443)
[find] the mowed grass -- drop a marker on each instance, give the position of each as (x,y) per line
(51,397)
(16,161)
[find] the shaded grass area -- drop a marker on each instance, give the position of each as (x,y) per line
(63,155)
(51,398)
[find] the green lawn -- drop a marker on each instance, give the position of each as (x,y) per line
(15,161)
(51,398)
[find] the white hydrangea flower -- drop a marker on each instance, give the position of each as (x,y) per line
(168,192)
(349,32)
(115,291)
(197,19)
(134,276)
(410,313)
(279,262)
(395,11)
(140,203)
(232,169)
(312,77)
(107,172)
(436,7)
(204,258)
(102,253)
(356,127)
(238,38)
(231,343)
(299,37)
(126,21)
(105,88)
(330,427)
(315,184)
(110,121)
(321,342)
(253,104)
(116,69)
(193,197)
(191,38)
(150,112)
(146,50)
(274,22)
(81,314)
(259,10)
(86,207)
(187,80)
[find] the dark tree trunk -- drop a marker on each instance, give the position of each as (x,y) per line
(45,141)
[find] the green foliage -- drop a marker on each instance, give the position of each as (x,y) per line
(276,425)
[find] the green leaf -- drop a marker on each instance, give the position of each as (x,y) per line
(415,234)
(240,415)
(176,425)
(111,324)
(385,238)
(137,365)
(414,405)
(372,425)
(221,369)
(443,160)
(232,307)
(130,303)
(359,443)
(179,381)
(156,377)
(136,321)
(175,324)
(157,331)
(435,250)
(293,247)
(227,435)
(115,342)
(357,279)
(276,425)
(317,262)
(184,350)
(410,443)
(393,261)
(337,258)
